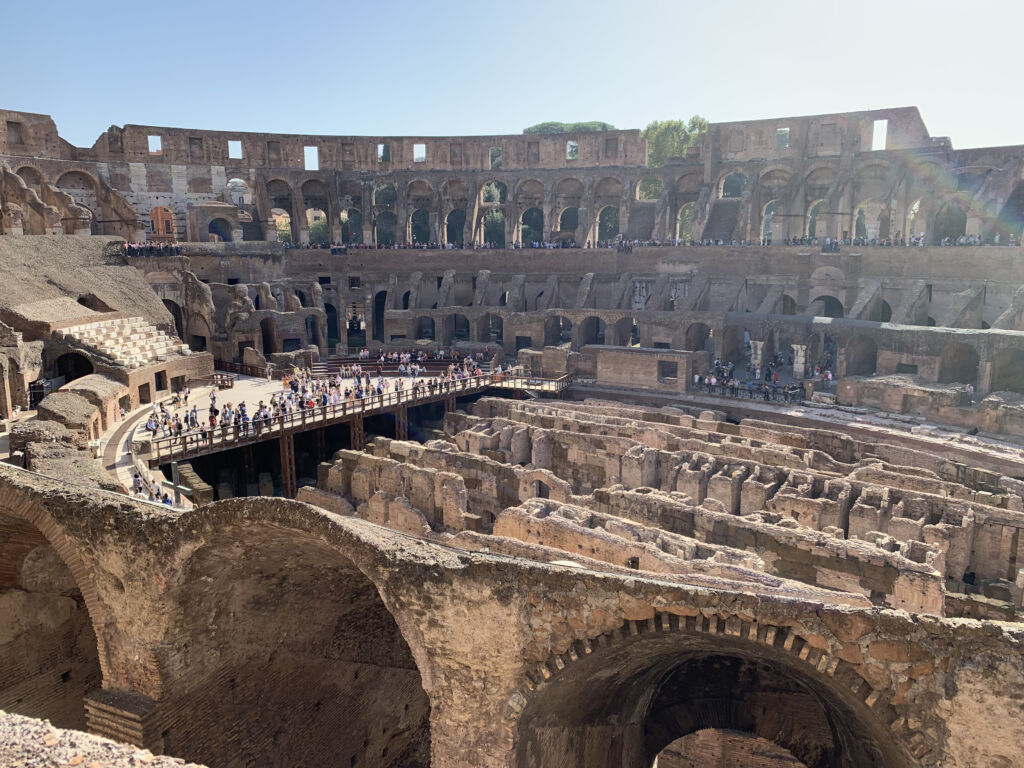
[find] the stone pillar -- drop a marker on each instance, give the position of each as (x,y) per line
(799,359)
(124,716)
(756,351)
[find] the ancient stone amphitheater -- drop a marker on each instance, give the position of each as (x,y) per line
(596,558)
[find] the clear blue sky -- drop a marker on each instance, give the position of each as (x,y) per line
(448,68)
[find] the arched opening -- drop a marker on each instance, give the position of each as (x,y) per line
(338,684)
(494,192)
(861,356)
(351,226)
(425,328)
(592,331)
(951,222)
(33,179)
(385,195)
(175,311)
(557,331)
(734,344)
(697,337)
(161,223)
(384,228)
(49,657)
(503,299)
(1011,218)
(460,325)
(958,363)
(237,192)
(406,298)
(625,333)
(787,305)
(455,226)
(684,223)
(301,296)
(533,226)
(219,231)
(318,226)
(311,334)
(669,685)
(71,366)
(812,218)
(826,306)
(723,747)
(568,221)
(608,223)
(494,228)
(333,326)
(1008,371)
(732,186)
(380,303)
(268,335)
(419,227)
(650,188)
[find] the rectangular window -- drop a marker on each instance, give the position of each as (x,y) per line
(455,154)
(160,380)
(879,133)
(533,152)
(235,150)
(232,281)
(14,134)
(782,138)
(495,158)
(311,157)
(572,150)
(611,148)
(324,280)
(354,282)
(155,145)
(906,368)
(668,371)
(383,153)
(195,150)
(274,152)
(419,153)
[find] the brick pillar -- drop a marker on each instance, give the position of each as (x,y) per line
(799,359)
(288,479)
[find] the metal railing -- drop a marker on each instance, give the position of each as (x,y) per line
(209,439)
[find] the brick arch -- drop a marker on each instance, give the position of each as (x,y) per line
(20,501)
(720,630)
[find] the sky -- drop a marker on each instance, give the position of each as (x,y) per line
(397,67)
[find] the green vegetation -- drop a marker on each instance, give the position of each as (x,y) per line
(319,232)
(592,126)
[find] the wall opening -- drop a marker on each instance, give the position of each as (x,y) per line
(879,135)
(311,158)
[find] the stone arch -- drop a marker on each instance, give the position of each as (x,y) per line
(425,328)
(419,227)
(825,305)
(861,356)
(569,192)
(351,226)
(950,221)
(813,213)
(649,187)
(958,363)
(696,337)
(455,226)
(733,348)
(460,327)
(592,331)
(72,365)
(456,192)
(45,574)
(608,222)
(530,193)
(179,320)
(385,195)
(237,191)
(685,221)
(608,191)
(689,184)
(329,647)
(532,222)
(1008,370)
(419,193)
(787,305)
(32,177)
(220,229)
(767,218)
(731,185)
(333,324)
(493,192)
(557,330)
(677,675)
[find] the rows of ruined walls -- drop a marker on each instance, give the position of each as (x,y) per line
(738,184)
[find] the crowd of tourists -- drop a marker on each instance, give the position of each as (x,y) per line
(148,489)
(149,248)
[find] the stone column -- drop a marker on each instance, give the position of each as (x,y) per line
(756,350)
(799,359)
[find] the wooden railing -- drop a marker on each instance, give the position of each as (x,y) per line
(207,440)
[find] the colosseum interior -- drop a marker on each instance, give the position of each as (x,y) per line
(717,463)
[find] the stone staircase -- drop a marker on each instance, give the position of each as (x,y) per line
(128,341)
(722,222)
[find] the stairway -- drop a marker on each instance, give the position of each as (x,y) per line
(722,221)
(128,341)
